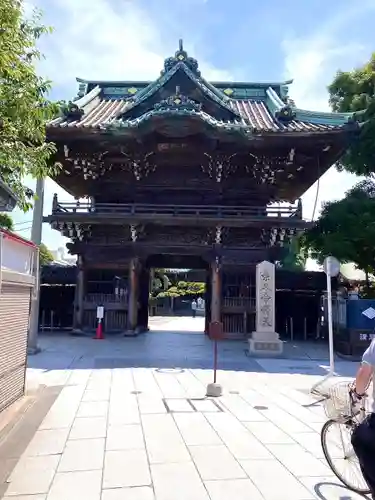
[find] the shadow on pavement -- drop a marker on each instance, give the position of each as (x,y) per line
(345,493)
(61,351)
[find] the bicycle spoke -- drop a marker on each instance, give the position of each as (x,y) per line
(336,441)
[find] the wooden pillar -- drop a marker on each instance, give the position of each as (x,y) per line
(215,292)
(133,295)
(79,296)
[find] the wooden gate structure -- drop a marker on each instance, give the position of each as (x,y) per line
(196,173)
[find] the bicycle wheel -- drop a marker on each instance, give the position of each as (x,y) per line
(338,450)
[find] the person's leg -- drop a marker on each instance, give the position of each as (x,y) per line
(363,441)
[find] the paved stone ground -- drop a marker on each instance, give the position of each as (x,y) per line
(132,423)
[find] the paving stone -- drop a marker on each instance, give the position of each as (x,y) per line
(47,442)
(82,455)
(123,410)
(32,475)
(241,409)
(177,481)
(236,489)
(79,377)
(96,395)
(26,497)
(137,493)
(240,442)
(145,382)
(285,421)
(150,404)
(88,428)
(268,433)
(274,481)
(85,485)
(329,488)
(125,437)
(216,462)
(125,469)
(64,409)
(179,405)
(205,405)
(195,429)
(93,409)
(298,461)
(163,440)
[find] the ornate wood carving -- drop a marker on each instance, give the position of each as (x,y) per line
(140,164)
(218,166)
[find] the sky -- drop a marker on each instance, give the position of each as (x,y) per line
(244,40)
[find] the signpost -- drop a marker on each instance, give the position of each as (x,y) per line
(99,329)
(215,333)
(331,268)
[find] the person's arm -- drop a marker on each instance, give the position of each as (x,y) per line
(366,370)
(363,378)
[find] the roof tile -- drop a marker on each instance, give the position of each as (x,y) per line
(254,113)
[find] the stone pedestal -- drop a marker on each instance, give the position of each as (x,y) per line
(265,341)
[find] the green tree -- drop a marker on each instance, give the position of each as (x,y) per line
(45,255)
(295,256)
(24,107)
(346,229)
(6,222)
(354,91)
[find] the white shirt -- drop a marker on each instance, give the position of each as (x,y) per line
(369,358)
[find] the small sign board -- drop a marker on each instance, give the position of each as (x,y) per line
(100,312)
(215,330)
(331,266)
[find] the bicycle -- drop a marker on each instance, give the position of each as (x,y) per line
(345,413)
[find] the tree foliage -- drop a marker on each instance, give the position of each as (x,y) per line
(6,221)
(24,107)
(183,289)
(346,229)
(45,255)
(353,91)
(295,256)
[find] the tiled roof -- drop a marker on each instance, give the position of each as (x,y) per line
(96,117)
(255,114)
(248,110)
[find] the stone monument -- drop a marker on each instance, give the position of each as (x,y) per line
(265,340)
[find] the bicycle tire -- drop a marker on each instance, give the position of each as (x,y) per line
(323,440)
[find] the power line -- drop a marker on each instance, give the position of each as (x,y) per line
(25,222)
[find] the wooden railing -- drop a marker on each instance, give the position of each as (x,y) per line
(244,303)
(105,298)
(182,211)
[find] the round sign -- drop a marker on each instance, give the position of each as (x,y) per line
(331,266)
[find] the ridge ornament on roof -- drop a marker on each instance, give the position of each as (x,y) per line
(181,56)
(178,101)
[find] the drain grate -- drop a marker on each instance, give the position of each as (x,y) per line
(181,405)
(178,405)
(206,405)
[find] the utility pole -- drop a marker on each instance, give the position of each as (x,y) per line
(36,237)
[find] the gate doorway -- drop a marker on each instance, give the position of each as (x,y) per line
(170,288)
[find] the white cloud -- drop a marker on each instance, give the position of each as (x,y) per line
(100,40)
(312,62)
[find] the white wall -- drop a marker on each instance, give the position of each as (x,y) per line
(16,254)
